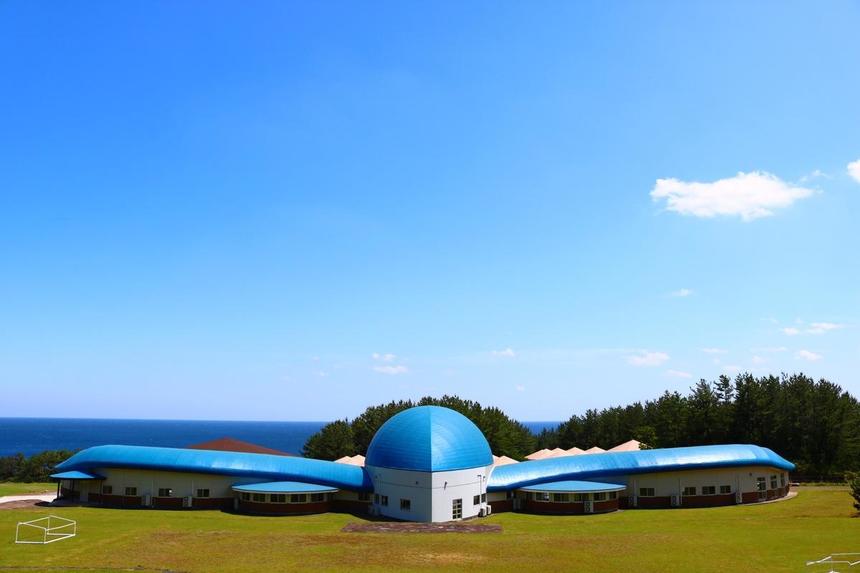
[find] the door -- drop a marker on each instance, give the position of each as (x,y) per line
(761,488)
(457,509)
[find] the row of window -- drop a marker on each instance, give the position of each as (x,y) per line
(162,491)
(405,504)
(283,497)
(572,497)
(689,490)
(479,499)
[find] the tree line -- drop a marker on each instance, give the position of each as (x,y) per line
(35,468)
(815,424)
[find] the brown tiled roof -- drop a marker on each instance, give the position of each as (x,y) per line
(234,445)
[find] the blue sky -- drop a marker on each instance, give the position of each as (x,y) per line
(291,211)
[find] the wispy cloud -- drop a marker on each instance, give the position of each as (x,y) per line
(714,350)
(681,292)
(646,358)
(791,331)
(678,374)
(808,355)
(520,388)
(822,327)
(854,170)
(388,357)
(749,196)
(758,360)
(507,352)
(769,349)
(391,370)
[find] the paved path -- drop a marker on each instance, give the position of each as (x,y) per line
(33,496)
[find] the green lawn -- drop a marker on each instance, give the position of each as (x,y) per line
(11,488)
(778,536)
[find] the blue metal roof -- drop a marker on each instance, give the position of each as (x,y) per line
(429,439)
(262,466)
(609,464)
(283,487)
(75,475)
(575,486)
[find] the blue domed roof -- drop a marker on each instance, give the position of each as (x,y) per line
(429,439)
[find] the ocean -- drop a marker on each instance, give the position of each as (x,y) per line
(33,435)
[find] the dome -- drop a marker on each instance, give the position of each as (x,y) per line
(429,439)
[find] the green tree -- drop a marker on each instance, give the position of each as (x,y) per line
(333,441)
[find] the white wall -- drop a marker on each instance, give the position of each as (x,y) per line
(672,483)
(431,493)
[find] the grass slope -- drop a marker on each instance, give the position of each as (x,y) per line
(772,537)
(12,488)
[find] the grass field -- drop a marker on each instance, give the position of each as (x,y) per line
(778,536)
(10,488)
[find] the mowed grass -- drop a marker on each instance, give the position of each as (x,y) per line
(12,488)
(778,536)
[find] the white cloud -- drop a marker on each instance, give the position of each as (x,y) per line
(391,370)
(746,195)
(758,360)
(810,356)
(648,358)
(731,369)
(682,292)
(507,352)
(822,327)
(714,350)
(520,388)
(854,170)
(791,331)
(770,349)
(388,357)
(678,374)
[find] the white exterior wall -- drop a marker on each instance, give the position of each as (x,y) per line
(431,494)
(666,484)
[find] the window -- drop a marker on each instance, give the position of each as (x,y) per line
(690,490)
(364,496)
(773,482)
(510,494)
(646,492)
(725,489)
(760,484)
(483,498)
(298,498)
(385,500)
(782,480)
(165,492)
(613,495)
(542,496)
(202,492)
(709,490)
(457,508)
(278,498)
(600,496)
(476,500)
(246,496)
(561,497)
(258,497)
(577,497)
(406,504)
(317,497)
(107,489)
(131,491)
(376,498)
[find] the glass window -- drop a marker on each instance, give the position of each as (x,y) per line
(773,482)
(476,500)
(131,491)
(364,496)
(690,490)
(246,496)
(613,495)
(298,498)
(725,489)
(259,497)
(376,498)
(385,500)
(165,492)
(317,497)
(600,496)
(577,497)
(406,505)
(278,498)
(561,497)
(542,496)
(483,498)
(646,492)
(760,484)
(202,492)
(709,490)
(782,479)
(107,489)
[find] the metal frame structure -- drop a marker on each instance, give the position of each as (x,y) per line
(49,531)
(847,559)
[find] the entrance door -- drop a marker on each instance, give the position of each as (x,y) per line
(457,509)
(761,488)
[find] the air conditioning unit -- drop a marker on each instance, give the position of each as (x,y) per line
(186,501)
(588,506)
(489,509)
(146,500)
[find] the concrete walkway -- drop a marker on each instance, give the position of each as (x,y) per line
(37,497)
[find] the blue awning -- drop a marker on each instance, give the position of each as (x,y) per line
(574,486)
(75,475)
(283,487)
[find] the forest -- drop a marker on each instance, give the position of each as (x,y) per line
(815,424)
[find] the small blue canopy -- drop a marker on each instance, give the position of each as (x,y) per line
(75,475)
(283,487)
(574,486)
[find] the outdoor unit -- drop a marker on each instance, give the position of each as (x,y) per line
(588,506)
(485,511)
(739,498)
(186,501)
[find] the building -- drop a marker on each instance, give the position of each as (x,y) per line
(424,464)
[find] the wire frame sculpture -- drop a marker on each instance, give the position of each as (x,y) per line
(45,530)
(843,560)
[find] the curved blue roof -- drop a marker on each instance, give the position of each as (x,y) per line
(609,464)
(75,475)
(283,487)
(429,439)
(575,486)
(262,466)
